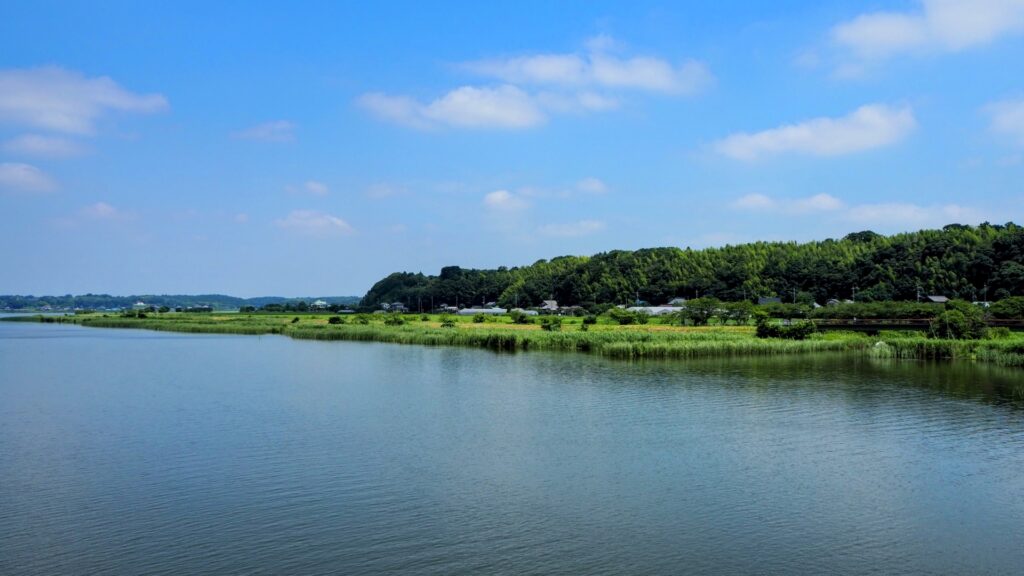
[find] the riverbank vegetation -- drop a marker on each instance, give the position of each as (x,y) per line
(602,335)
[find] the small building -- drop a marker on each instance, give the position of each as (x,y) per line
(550,306)
(495,311)
(938,299)
(140,305)
(394,307)
(319,305)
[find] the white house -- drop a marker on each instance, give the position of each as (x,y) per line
(550,305)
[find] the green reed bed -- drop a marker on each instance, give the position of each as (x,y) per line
(614,343)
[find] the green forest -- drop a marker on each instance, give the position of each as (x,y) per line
(984,262)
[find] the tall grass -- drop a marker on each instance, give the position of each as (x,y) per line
(624,343)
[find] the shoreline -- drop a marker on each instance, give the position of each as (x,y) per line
(612,341)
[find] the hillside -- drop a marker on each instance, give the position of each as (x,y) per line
(970,262)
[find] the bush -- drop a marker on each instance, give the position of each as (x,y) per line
(424,318)
(447,322)
(622,316)
(362,319)
(294,320)
(479,318)
(1000,333)
(590,320)
(551,323)
(394,320)
(335,320)
(794,331)
(519,317)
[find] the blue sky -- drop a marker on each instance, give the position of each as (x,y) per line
(312,149)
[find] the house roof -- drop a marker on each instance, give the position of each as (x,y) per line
(938,299)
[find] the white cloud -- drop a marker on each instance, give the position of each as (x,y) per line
(885,216)
(868,127)
(597,68)
(592,185)
(573,83)
(811,204)
(274,131)
(17,177)
(573,229)
(936,26)
(317,188)
(311,187)
(36,145)
(907,215)
(104,211)
(505,107)
(314,223)
(753,202)
(60,100)
(505,201)
(1007,117)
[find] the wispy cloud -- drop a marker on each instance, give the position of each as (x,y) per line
(597,67)
(935,26)
(503,107)
(573,229)
(817,203)
(311,187)
(104,211)
(274,131)
(1007,117)
(505,201)
(866,128)
(60,100)
(592,185)
(885,215)
(314,223)
(16,177)
(37,145)
(537,86)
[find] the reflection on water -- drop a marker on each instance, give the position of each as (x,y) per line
(127,451)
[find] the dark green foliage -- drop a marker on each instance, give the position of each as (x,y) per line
(551,323)
(1008,308)
(394,320)
(294,320)
(590,320)
(794,331)
(447,322)
(960,321)
(362,319)
(479,318)
(520,317)
(969,262)
(700,311)
(335,320)
(622,316)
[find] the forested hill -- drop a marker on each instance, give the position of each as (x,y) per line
(957,261)
(106,301)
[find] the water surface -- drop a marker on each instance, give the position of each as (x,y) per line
(130,452)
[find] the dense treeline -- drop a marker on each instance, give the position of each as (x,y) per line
(966,262)
(106,301)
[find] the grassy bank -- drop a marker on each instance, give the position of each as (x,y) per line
(611,340)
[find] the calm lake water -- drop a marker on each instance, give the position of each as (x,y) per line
(133,452)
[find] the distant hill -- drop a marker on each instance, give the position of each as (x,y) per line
(106,301)
(970,262)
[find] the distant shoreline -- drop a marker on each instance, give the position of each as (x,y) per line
(613,341)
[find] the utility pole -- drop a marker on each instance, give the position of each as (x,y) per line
(918,293)
(794,295)
(854,294)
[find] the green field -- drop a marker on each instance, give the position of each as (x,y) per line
(653,340)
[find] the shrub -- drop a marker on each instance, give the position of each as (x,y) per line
(622,316)
(999,333)
(794,331)
(519,317)
(294,320)
(551,323)
(424,318)
(394,320)
(362,319)
(479,318)
(590,320)
(335,320)
(447,322)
